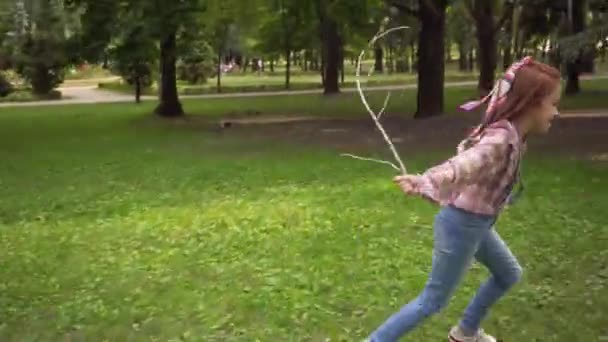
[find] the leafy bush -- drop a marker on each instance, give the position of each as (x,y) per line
(195,72)
(133,57)
(28,96)
(40,58)
(196,64)
(5,86)
(42,76)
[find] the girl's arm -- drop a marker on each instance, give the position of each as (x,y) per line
(486,157)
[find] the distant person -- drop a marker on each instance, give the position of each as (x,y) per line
(472,188)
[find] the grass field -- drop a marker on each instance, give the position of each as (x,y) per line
(348,104)
(238,82)
(243,83)
(115,227)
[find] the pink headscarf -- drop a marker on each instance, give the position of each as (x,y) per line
(499,93)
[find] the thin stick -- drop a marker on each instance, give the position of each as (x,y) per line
(373,115)
(388,97)
(371,160)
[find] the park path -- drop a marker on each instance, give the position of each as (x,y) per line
(91,94)
(77,93)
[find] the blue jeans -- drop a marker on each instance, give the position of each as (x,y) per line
(460,237)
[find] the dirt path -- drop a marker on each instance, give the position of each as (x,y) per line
(582,134)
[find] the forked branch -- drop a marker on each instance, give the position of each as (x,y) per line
(376,117)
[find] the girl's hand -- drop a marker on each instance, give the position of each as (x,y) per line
(407,183)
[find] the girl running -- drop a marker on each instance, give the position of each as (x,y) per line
(472,188)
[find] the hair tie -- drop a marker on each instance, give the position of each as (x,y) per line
(501,88)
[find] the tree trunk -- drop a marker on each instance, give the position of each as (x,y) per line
(379,57)
(218,85)
(322,69)
(572,84)
(272,65)
(471,60)
(486,41)
(573,68)
(391,60)
(137,89)
(507,58)
(487,62)
(413,64)
(462,58)
(287,67)
(106,62)
(306,60)
(169,105)
(332,61)
(330,49)
(448,50)
(431,62)
(342,65)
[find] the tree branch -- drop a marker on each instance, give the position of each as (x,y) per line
(468,4)
(375,117)
(506,14)
(405,9)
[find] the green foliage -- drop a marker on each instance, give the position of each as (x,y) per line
(133,56)
(460,25)
(196,61)
(40,58)
(5,85)
(25,95)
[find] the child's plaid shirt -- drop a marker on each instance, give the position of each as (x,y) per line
(480,178)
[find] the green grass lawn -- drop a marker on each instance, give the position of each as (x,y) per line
(116,230)
(348,104)
(239,82)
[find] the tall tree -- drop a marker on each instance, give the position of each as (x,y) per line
(104,20)
(461,32)
(40,56)
(134,55)
(487,26)
(577,21)
(431,51)
(331,46)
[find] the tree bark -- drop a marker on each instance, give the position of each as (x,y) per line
(431,62)
(507,58)
(287,66)
(379,57)
(413,64)
(137,89)
(332,61)
(218,85)
(486,41)
(391,59)
(471,60)
(448,50)
(331,45)
(169,105)
(573,68)
(342,64)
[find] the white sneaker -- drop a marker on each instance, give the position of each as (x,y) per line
(456,335)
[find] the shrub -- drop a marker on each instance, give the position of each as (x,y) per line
(5,86)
